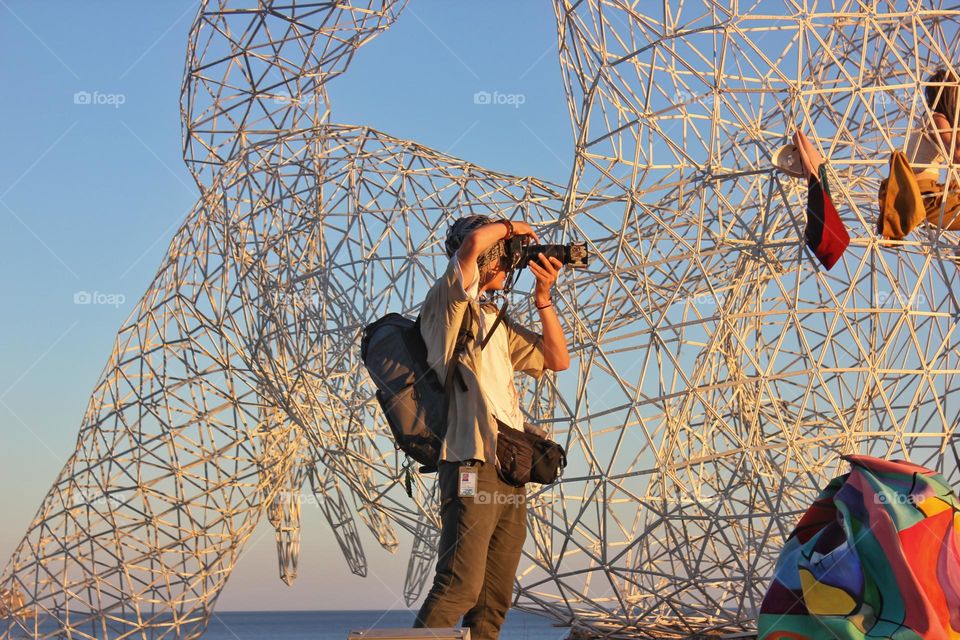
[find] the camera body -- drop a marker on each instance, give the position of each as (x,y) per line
(518,254)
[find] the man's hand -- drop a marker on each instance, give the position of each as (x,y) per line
(555,353)
(521,228)
(545,271)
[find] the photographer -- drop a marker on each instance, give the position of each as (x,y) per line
(483,519)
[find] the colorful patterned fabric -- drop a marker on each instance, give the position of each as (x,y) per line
(876,556)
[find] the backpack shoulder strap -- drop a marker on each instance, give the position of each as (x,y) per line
(462,336)
(496,323)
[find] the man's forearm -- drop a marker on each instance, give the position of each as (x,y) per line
(478,241)
(556,357)
(481,239)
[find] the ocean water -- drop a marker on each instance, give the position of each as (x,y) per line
(336,625)
(300,625)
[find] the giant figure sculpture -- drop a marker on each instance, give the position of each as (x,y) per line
(718,372)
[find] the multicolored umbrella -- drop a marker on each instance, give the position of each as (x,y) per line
(876,556)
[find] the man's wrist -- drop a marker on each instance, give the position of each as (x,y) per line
(509,227)
(542,302)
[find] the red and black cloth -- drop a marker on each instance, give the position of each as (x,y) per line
(825,234)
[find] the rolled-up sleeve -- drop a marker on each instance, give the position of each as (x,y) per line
(526,348)
(441,316)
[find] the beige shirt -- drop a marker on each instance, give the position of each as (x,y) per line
(496,374)
(471,427)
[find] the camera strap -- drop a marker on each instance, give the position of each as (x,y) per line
(496,323)
(512,276)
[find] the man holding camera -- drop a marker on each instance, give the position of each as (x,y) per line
(483,518)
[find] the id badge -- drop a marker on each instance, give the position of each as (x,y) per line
(467,487)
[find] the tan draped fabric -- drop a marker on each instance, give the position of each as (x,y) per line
(907,199)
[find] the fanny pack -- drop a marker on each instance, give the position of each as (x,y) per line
(526,457)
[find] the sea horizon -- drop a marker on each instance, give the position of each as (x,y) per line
(318,624)
(336,624)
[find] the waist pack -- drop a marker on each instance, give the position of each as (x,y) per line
(526,457)
(412,397)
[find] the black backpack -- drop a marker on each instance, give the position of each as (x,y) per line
(413,398)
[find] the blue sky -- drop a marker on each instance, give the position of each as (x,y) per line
(90,196)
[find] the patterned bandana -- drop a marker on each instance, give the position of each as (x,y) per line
(490,259)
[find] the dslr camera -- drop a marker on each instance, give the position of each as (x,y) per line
(518,254)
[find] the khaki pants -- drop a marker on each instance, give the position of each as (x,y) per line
(906,200)
(480,543)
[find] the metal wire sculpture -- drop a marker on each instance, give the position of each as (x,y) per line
(718,373)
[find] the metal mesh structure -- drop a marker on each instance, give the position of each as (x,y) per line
(718,372)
